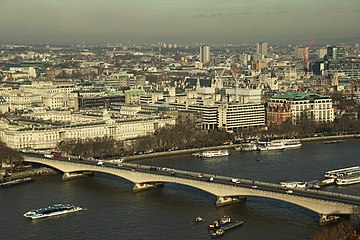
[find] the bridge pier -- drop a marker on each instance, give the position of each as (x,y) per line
(145,186)
(222,201)
(327,219)
(72,175)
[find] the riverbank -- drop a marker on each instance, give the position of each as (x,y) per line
(30,173)
(194,150)
(177,152)
(325,138)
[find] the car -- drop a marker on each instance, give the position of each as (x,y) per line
(289,191)
(235,180)
(211,179)
(254,186)
(100,163)
(200,175)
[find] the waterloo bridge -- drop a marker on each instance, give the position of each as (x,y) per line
(328,205)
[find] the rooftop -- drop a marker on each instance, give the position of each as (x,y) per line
(300,96)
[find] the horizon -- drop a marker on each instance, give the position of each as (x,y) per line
(182,22)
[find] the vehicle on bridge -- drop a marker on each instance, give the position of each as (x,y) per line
(235,180)
(53,155)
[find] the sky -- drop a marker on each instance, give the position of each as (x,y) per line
(177,21)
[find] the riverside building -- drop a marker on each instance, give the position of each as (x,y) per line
(297,106)
(46,130)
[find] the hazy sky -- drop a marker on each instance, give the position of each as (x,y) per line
(233,21)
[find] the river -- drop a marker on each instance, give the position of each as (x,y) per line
(113,211)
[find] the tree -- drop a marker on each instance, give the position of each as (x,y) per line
(10,156)
(307,124)
(103,147)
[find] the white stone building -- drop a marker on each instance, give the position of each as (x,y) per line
(316,107)
(21,134)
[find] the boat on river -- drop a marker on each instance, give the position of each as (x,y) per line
(199,219)
(333,141)
(218,227)
(291,143)
(247,147)
(352,179)
(215,153)
(342,172)
(16,181)
(270,146)
(57,209)
(279,144)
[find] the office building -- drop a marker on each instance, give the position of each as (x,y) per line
(205,55)
(335,53)
(262,49)
(300,52)
(297,106)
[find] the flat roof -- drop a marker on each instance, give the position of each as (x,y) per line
(300,96)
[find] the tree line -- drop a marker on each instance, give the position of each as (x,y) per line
(179,136)
(309,128)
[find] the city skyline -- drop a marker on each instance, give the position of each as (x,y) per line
(245,21)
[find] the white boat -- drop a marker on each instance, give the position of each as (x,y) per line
(348,180)
(343,172)
(57,209)
(196,154)
(291,143)
(215,153)
(16,181)
(246,147)
(279,144)
(198,219)
(333,141)
(268,146)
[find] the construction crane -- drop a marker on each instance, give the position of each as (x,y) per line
(305,54)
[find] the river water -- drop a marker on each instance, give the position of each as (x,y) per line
(115,212)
